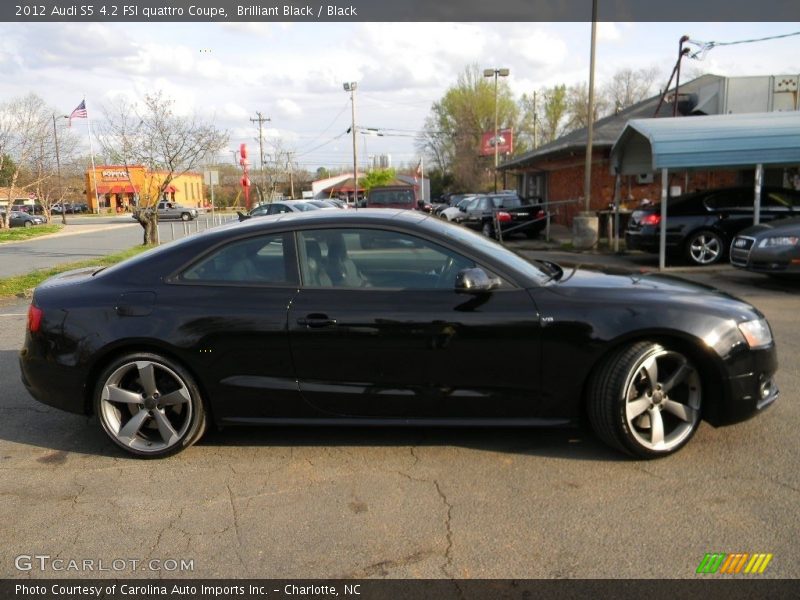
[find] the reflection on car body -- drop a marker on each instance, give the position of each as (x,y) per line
(380,317)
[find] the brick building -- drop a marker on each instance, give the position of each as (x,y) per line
(555,172)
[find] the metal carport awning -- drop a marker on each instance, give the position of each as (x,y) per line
(741,140)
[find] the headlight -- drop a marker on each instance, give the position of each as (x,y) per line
(756,333)
(779,241)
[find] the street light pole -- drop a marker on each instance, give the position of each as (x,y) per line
(495,73)
(351,87)
(587,184)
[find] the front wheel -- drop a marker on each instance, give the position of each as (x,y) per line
(186,217)
(704,248)
(149,406)
(28,224)
(645,400)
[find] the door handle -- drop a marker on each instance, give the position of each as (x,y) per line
(316,320)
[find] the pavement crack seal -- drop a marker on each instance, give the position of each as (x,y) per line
(413,451)
(235,514)
(448,553)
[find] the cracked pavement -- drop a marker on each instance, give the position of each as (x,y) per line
(404,503)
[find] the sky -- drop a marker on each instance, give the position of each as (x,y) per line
(293,72)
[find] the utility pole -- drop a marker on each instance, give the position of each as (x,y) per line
(58,170)
(351,87)
(260,119)
(535,117)
(291,174)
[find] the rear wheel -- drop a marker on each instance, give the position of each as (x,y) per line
(149,405)
(704,248)
(487,229)
(645,400)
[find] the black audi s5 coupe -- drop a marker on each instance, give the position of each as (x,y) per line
(385,317)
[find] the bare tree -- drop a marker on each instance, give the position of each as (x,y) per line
(166,144)
(23,127)
(44,168)
(629,86)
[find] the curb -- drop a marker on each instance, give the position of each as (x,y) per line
(63,233)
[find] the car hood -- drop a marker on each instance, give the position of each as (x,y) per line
(785,226)
(602,284)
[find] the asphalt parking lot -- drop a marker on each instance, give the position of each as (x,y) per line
(308,503)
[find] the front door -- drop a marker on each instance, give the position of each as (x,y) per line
(378,330)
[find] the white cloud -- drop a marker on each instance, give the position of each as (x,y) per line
(288,108)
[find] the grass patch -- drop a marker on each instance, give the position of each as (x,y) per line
(20,285)
(24,233)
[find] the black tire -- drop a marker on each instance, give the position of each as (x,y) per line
(488,229)
(186,217)
(28,224)
(704,247)
(153,384)
(627,411)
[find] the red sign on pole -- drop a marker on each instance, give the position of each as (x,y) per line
(504,140)
(245,181)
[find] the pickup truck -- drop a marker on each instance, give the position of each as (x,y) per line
(171,210)
(511,213)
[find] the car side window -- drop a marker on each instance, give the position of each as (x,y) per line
(261,260)
(373,258)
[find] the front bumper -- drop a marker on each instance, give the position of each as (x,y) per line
(765,260)
(749,388)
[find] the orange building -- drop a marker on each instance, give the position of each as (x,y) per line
(121,188)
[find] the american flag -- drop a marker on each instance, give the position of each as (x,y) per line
(418,172)
(79,112)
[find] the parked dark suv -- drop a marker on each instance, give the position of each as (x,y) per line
(701,225)
(511,214)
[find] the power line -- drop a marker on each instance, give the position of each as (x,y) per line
(324,131)
(705,47)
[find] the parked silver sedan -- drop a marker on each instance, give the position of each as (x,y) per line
(772,248)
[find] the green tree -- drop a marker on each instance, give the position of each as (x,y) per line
(377,177)
(452,132)
(7,169)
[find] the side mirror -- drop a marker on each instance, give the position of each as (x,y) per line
(462,209)
(475,281)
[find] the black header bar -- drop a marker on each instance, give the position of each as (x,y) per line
(397,10)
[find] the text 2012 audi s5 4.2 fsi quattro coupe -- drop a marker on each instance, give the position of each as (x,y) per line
(379,317)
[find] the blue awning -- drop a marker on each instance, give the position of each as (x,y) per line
(723,141)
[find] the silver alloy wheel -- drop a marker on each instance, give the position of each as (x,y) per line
(662,400)
(145,406)
(705,248)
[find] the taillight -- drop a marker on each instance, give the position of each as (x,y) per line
(34,318)
(503,217)
(651,219)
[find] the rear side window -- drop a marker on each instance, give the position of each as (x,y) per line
(263,260)
(730,200)
(389,197)
(781,200)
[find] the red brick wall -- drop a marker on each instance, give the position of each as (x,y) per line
(565,182)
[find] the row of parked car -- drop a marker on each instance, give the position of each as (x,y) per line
(707,227)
